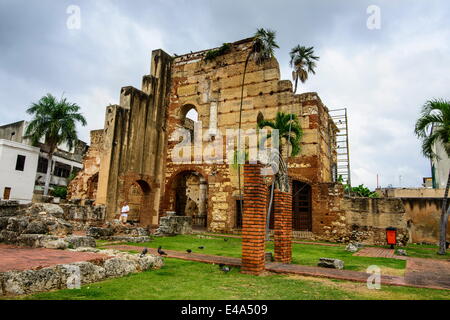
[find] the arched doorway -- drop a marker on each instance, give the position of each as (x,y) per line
(301,206)
(191,197)
(139,202)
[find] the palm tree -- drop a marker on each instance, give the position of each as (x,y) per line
(262,50)
(55,121)
(289,132)
(303,62)
(433,127)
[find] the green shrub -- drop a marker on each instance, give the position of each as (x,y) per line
(213,54)
(361,191)
(60,192)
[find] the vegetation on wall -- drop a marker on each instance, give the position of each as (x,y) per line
(360,191)
(213,54)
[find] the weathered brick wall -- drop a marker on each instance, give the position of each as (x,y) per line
(85,184)
(203,85)
(137,137)
(135,143)
(283,226)
(363,220)
(254,220)
(423,215)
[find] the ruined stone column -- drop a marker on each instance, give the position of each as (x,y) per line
(253,220)
(283,226)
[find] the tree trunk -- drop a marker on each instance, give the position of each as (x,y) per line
(269,211)
(239,136)
(444,219)
(48,175)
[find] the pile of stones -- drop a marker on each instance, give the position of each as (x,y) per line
(171,225)
(40,225)
(63,276)
(115,231)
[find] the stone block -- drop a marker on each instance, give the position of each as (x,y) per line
(117,267)
(331,263)
(81,241)
(31,281)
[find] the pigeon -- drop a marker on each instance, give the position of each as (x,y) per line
(189,251)
(201,247)
(225,269)
(161,253)
(225,239)
(144,252)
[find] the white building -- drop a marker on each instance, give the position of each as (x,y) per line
(18,164)
(65,161)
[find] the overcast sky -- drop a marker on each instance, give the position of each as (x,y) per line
(382,76)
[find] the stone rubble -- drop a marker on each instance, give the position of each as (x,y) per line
(331,263)
(61,276)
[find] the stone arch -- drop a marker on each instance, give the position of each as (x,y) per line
(187,195)
(138,195)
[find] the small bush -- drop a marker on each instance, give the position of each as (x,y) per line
(361,191)
(60,192)
(213,54)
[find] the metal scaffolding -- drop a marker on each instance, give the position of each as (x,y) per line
(339,117)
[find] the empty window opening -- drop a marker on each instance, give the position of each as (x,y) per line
(20,163)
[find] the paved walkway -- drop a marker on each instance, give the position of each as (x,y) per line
(419,271)
(417,280)
(22,258)
(376,252)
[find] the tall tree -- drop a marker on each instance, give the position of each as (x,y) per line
(55,121)
(303,62)
(433,127)
(262,50)
(290,134)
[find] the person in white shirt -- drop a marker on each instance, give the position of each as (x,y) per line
(124,213)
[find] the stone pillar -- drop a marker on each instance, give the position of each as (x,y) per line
(203,198)
(283,226)
(253,220)
(213,119)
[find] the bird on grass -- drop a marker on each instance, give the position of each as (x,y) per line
(201,247)
(143,253)
(224,268)
(225,239)
(189,251)
(161,253)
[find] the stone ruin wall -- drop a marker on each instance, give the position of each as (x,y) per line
(84,185)
(213,89)
(136,144)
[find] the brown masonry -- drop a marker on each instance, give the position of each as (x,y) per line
(283,226)
(254,220)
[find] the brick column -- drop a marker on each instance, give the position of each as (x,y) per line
(283,226)
(253,220)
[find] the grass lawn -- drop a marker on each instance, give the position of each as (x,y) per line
(185,280)
(304,254)
(425,251)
